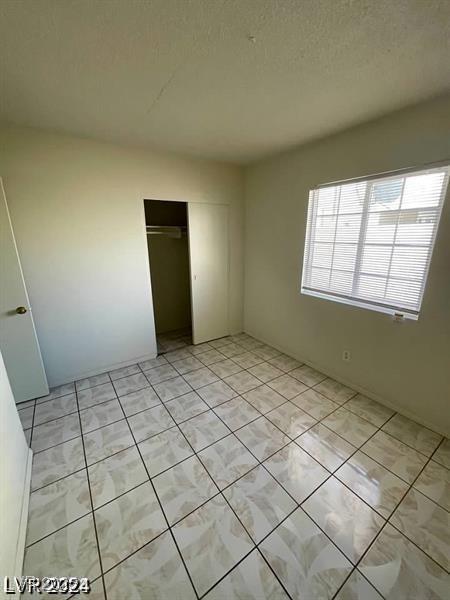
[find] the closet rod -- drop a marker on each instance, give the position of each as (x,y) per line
(176,231)
(166,227)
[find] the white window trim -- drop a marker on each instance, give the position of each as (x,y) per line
(369,304)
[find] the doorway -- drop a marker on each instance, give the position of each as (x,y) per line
(188,251)
(168,251)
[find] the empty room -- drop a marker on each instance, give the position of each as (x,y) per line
(225,299)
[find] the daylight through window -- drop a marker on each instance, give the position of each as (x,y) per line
(369,242)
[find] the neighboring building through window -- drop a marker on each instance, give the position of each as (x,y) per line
(369,241)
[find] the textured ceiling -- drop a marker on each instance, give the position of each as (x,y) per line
(233,80)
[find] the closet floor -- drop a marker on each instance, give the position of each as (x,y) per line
(229,470)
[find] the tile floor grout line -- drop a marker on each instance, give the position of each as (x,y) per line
(57,480)
(170,526)
(229,485)
(55,445)
(408,445)
(26,404)
(414,543)
(220,492)
(145,439)
(387,468)
(343,405)
(403,497)
(276,426)
(261,554)
(357,449)
(55,398)
(74,412)
(411,487)
(388,521)
(159,502)
(32,425)
(299,505)
(91,499)
(211,408)
(261,414)
(314,521)
(101,427)
(47,535)
(312,387)
(428,497)
(261,463)
(122,560)
(121,494)
(281,448)
(355,569)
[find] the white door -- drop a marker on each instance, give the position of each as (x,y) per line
(208,250)
(18,341)
(15,469)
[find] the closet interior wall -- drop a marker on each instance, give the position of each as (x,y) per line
(169,264)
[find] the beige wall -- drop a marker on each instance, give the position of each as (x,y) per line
(405,365)
(78,215)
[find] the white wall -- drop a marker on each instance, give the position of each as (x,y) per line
(405,365)
(15,472)
(78,215)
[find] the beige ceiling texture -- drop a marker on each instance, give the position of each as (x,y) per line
(234,80)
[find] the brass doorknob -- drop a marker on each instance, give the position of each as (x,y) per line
(21,310)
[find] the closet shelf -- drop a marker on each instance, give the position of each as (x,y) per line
(174,231)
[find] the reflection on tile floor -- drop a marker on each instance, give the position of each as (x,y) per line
(229,470)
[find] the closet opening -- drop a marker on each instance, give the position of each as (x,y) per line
(168,251)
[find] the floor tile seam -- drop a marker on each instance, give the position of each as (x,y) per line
(57,480)
(55,398)
(89,387)
(401,533)
(432,499)
(159,502)
(32,426)
(259,462)
(55,445)
(333,474)
(91,500)
(355,569)
(21,409)
(221,492)
(47,535)
(355,394)
(73,412)
(121,495)
(364,418)
(410,485)
(409,446)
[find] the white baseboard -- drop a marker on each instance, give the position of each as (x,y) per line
(20,548)
(369,393)
(102,369)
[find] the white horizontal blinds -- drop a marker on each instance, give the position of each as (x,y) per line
(371,241)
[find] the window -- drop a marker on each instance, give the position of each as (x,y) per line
(369,241)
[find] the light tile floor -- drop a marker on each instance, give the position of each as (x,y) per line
(229,470)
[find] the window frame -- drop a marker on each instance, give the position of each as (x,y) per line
(352,300)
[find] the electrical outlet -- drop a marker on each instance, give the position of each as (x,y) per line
(346,355)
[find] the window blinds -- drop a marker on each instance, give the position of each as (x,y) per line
(369,242)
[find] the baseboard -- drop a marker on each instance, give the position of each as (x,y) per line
(106,368)
(103,369)
(369,393)
(20,548)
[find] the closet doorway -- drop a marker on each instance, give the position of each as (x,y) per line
(189,258)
